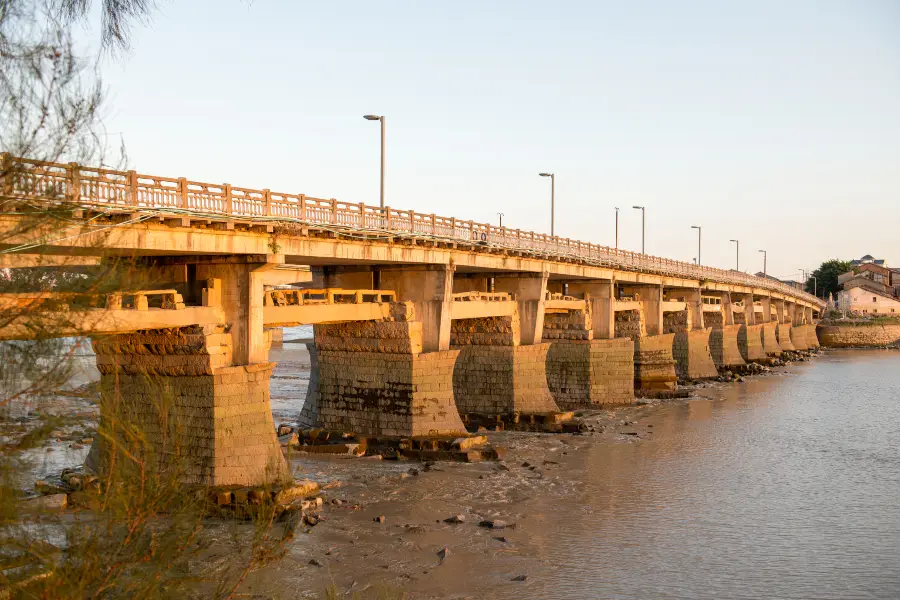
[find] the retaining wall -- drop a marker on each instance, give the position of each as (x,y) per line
(851,336)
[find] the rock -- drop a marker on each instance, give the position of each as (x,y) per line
(76,446)
(443,553)
(493,524)
(414,472)
(337,501)
(502,467)
(49,502)
(455,519)
(314,562)
(519,578)
(526,464)
(379,519)
(299,489)
(502,539)
(311,520)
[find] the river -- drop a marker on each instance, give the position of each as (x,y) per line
(785,486)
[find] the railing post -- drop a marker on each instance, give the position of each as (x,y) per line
(362,214)
(183,191)
(433,224)
(412,221)
(453,227)
(333,211)
(471,230)
(133,188)
(302,207)
(75,181)
(267,198)
(228,207)
(387,217)
(6,168)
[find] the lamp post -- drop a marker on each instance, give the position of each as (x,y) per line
(765,260)
(737,255)
(617,228)
(815,286)
(379,118)
(501,218)
(552,200)
(699,233)
(643,227)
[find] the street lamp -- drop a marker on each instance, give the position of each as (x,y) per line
(815,286)
(765,260)
(501,219)
(643,227)
(552,200)
(737,255)
(379,118)
(699,233)
(617,228)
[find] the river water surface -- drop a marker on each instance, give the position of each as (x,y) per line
(786,486)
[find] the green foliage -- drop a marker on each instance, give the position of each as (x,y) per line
(827,277)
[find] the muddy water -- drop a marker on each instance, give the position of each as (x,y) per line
(785,486)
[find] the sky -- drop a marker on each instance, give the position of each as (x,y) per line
(774,123)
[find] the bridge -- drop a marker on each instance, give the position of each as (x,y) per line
(418,318)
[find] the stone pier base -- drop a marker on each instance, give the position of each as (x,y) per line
(654,365)
(750,342)
(770,340)
(499,380)
(309,413)
(798,337)
(390,394)
(583,374)
(164,401)
(723,345)
(783,333)
(693,360)
(374,379)
(811,337)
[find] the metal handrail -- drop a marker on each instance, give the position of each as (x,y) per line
(108,188)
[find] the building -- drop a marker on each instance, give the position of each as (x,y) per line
(870,287)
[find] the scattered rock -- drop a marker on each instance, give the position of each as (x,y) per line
(493,524)
(311,520)
(315,563)
(502,539)
(443,553)
(519,578)
(455,519)
(49,502)
(379,519)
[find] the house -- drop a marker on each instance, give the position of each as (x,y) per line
(865,299)
(870,287)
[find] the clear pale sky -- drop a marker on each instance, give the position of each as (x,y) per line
(775,123)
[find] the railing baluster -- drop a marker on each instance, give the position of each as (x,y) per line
(183,191)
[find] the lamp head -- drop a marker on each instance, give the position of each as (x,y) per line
(695,227)
(371,117)
(546,174)
(638,207)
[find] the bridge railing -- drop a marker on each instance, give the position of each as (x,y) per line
(110,188)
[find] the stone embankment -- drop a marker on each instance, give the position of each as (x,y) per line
(859,334)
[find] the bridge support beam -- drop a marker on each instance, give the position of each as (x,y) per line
(430,290)
(530,292)
(600,296)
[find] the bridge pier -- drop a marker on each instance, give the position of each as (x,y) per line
(172,397)
(690,346)
(640,317)
(374,378)
(584,372)
(769,339)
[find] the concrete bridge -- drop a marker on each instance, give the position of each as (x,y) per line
(418,318)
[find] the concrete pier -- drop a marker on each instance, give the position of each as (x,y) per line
(691,351)
(723,345)
(770,340)
(584,374)
(750,343)
(174,398)
(654,364)
(783,333)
